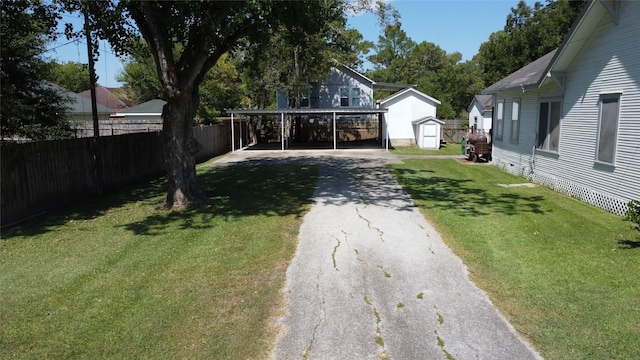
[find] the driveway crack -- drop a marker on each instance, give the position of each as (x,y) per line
(380,232)
(439,339)
(378,338)
(333,255)
(307,351)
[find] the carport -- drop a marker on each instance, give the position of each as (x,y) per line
(286,113)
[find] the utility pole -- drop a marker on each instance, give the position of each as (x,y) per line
(94,107)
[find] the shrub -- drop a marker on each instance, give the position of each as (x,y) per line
(633,213)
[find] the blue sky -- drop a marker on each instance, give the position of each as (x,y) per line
(454,25)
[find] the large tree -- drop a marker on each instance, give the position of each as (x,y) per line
(30,108)
(220,89)
(529,33)
(186,39)
(399,59)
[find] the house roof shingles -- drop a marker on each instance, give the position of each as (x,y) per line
(106,98)
(527,77)
(150,107)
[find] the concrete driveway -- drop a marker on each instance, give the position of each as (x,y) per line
(371,279)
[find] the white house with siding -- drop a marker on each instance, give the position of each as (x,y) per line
(406,107)
(571,119)
(342,88)
(480,113)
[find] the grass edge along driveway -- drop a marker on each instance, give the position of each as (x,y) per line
(565,274)
(120,278)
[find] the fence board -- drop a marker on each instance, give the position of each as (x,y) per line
(41,176)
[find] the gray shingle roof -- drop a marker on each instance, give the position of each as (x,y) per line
(151,106)
(527,77)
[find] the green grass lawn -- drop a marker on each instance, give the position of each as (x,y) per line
(449,149)
(565,274)
(123,279)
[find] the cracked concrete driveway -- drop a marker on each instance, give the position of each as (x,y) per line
(371,279)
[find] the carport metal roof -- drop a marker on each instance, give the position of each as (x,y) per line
(307,111)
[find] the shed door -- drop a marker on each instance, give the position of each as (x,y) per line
(429,140)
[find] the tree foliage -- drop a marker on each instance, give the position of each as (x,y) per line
(221,89)
(71,75)
(398,59)
(186,39)
(140,77)
(529,33)
(30,108)
(292,58)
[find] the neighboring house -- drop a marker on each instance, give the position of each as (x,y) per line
(80,108)
(347,89)
(406,109)
(342,88)
(571,119)
(147,111)
(480,112)
(106,97)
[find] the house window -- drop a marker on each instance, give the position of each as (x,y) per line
(344,97)
(608,128)
(515,121)
(355,97)
(499,119)
(350,97)
(549,126)
(304,99)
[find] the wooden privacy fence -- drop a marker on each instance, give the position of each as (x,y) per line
(454,130)
(40,176)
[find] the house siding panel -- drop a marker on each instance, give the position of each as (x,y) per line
(403,110)
(518,158)
(609,62)
(329,90)
(326,95)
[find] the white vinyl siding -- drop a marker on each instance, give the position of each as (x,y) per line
(605,65)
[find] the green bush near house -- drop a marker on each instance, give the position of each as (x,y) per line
(633,213)
(565,274)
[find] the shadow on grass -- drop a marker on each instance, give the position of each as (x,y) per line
(629,244)
(464,196)
(346,179)
(235,192)
(92,207)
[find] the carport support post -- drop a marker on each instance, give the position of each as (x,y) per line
(386,132)
(282,127)
(233,136)
(335,142)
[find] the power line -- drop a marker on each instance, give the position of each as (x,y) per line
(59,46)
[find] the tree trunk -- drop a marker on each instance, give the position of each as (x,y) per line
(180,147)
